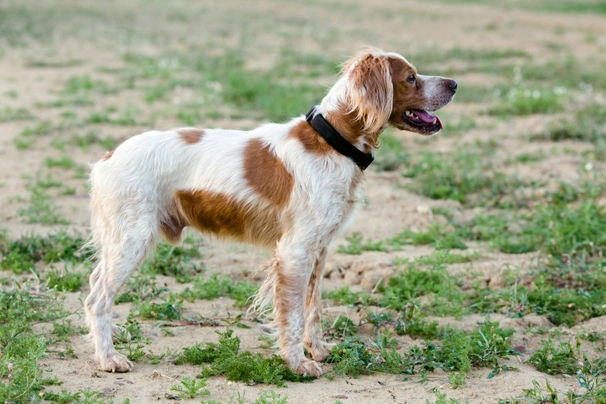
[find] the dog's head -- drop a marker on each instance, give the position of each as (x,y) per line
(384,88)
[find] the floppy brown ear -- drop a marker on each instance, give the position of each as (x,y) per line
(370,90)
(399,69)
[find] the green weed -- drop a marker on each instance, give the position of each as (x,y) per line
(63,162)
(21,348)
(173,260)
(9,114)
(65,280)
(346,296)
(191,388)
(555,357)
(356,245)
(527,101)
(225,358)
(166,310)
(218,286)
(21,255)
(40,208)
(442,398)
(464,177)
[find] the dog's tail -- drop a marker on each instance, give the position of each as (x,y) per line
(263,301)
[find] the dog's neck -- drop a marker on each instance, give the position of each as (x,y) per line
(351,129)
(332,136)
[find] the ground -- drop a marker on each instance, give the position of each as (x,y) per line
(509,197)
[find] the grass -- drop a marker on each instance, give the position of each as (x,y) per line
(584,125)
(21,347)
(21,255)
(224,358)
(468,177)
(457,351)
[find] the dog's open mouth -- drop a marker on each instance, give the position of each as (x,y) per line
(422,120)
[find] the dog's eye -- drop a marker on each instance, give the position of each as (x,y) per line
(411,79)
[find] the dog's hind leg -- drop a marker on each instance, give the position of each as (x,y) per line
(123,243)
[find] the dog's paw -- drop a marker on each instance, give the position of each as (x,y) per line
(320,352)
(309,368)
(115,363)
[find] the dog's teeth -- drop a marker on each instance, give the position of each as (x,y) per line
(435,120)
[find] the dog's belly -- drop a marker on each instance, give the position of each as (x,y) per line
(223,216)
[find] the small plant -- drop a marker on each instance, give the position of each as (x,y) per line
(218,286)
(167,310)
(41,209)
(191,388)
(555,357)
(172,260)
(357,246)
(442,398)
(342,327)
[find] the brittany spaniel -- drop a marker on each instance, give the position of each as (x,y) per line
(292,187)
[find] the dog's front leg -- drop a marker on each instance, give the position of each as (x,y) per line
(314,338)
(290,286)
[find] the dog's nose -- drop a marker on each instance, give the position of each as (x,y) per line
(452,85)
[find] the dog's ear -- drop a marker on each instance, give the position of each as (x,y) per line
(399,69)
(370,89)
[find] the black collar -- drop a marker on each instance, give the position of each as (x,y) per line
(333,138)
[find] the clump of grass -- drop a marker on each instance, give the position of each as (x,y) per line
(459,351)
(27,138)
(357,245)
(340,328)
(40,208)
(584,125)
(8,114)
(217,286)
(92,137)
(439,236)
(527,101)
(347,296)
(65,280)
(21,255)
(166,310)
(63,162)
(555,357)
(464,177)
(224,358)
(191,388)
(172,260)
(21,349)
(441,292)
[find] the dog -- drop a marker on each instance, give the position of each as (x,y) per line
(292,187)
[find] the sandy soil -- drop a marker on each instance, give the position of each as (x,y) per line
(262,30)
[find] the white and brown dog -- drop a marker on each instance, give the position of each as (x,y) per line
(292,187)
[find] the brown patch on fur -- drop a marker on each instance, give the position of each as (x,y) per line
(266,174)
(400,70)
(309,138)
(108,155)
(191,136)
(171,228)
(351,128)
(224,216)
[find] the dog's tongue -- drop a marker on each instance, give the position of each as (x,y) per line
(424,115)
